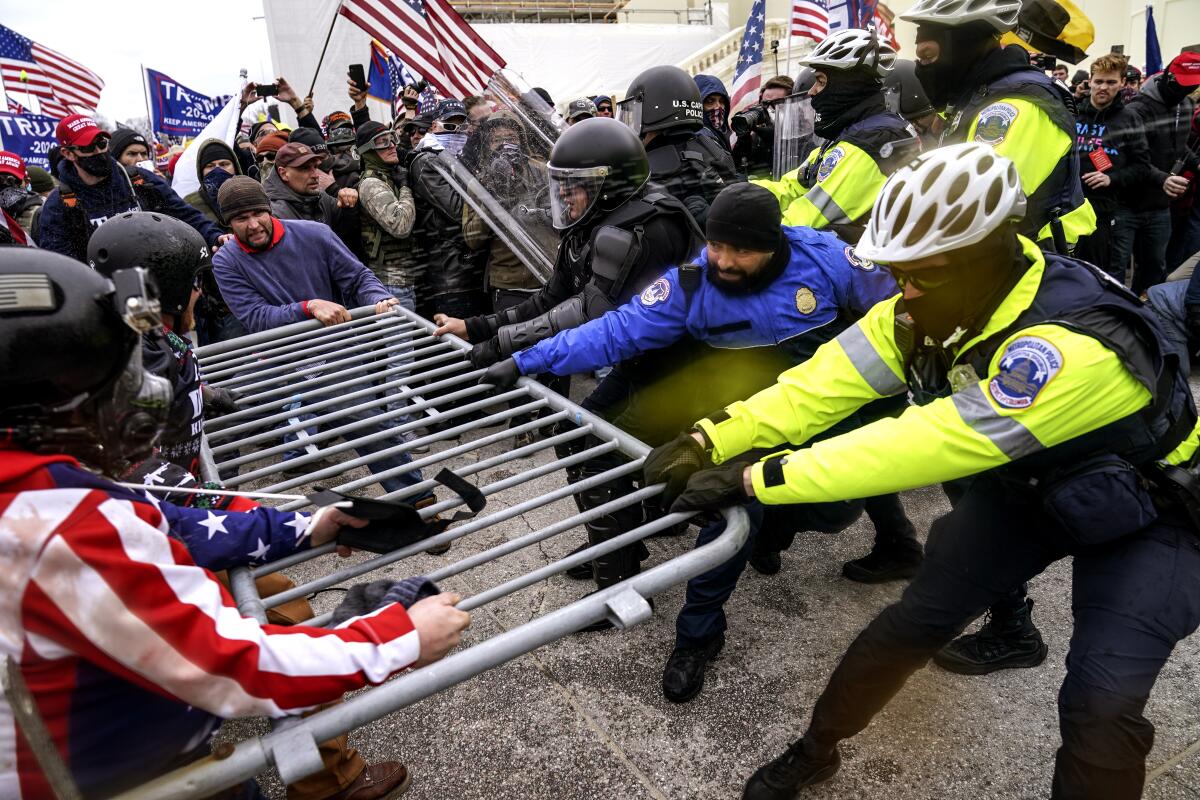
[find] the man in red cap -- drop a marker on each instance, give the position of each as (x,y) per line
(93,187)
(19,201)
(1165,113)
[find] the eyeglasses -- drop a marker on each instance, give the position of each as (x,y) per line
(98,145)
(925,280)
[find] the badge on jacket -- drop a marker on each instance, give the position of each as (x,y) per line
(994,122)
(1028,364)
(806,301)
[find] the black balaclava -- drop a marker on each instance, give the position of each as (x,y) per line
(844,92)
(980,278)
(959,49)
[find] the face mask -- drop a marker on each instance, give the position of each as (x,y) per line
(97,164)
(213,181)
(716,118)
(451,142)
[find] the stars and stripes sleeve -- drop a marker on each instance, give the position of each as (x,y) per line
(110,586)
(219,540)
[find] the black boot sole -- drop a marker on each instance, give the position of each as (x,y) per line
(853,572)
(1024,661)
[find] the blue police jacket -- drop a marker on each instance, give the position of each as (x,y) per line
(824,286)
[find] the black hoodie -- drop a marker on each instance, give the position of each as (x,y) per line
(1115,130)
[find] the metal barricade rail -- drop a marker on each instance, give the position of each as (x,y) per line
(397,380)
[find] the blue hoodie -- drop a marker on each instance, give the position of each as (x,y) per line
(710,84)
(107,199)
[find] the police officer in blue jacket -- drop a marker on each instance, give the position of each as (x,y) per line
(759,299)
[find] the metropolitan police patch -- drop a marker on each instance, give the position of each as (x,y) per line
(855,260)
(994,122)
(829,162)
(1028,364)
(656,292)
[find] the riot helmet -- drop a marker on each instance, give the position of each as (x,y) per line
(71,376)
(172,252)
(661,99)
(597,164)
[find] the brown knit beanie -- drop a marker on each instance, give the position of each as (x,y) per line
(240,194)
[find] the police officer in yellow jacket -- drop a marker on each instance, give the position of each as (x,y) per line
(992,95)
(864,142)
(1051,394)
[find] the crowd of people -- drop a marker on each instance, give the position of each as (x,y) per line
(952,270)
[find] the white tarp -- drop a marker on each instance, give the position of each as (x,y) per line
(568,60)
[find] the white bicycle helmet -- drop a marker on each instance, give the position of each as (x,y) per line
(1000,14)
(852,48)
(946,199)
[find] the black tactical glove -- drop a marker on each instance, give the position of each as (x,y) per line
(503,374)
(673,463)
(218,401)
(485,353)
(710,489)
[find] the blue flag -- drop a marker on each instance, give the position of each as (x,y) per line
(28,135)
(1153,51)
(176,110)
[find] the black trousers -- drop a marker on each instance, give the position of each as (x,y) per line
(1132,600)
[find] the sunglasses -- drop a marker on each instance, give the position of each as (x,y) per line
(925,280)
(98,145)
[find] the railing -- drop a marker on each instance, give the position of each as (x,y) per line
(392,368)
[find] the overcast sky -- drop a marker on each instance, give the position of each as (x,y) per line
(202,45)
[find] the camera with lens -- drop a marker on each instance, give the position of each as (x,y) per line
(753,117)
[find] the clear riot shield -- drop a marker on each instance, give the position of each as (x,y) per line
(794,136)
(501,172)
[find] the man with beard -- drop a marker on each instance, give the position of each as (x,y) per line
(1053,398)
(864,142)
(93,187)
(761,299)
(993,96)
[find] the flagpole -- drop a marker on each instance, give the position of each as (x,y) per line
(146,95)
(325,47)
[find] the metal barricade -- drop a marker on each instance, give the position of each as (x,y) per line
(392,377)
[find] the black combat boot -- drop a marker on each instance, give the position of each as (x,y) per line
(893,558)
(1007,640)
(683,677)
(781,778)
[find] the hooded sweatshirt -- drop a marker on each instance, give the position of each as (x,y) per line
(1166,130)
(200,199)
(710,84)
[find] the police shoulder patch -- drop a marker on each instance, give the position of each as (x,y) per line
(866,265)
(656,292)
(1026,366)
(991,127)
(829,162)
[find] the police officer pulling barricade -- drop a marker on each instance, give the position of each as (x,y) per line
(1054,399)
(663,107)
(760,299)
(864,142)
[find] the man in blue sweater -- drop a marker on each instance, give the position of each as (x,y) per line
(276,272)
(93,187)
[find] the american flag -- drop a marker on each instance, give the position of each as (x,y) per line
(47,74)
(810,19)
(748,75)
(435,41)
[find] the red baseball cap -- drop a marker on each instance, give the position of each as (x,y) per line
(1186,69)
(78,130)
(12,164)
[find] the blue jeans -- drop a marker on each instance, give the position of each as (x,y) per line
(1143,235)
(703,614)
